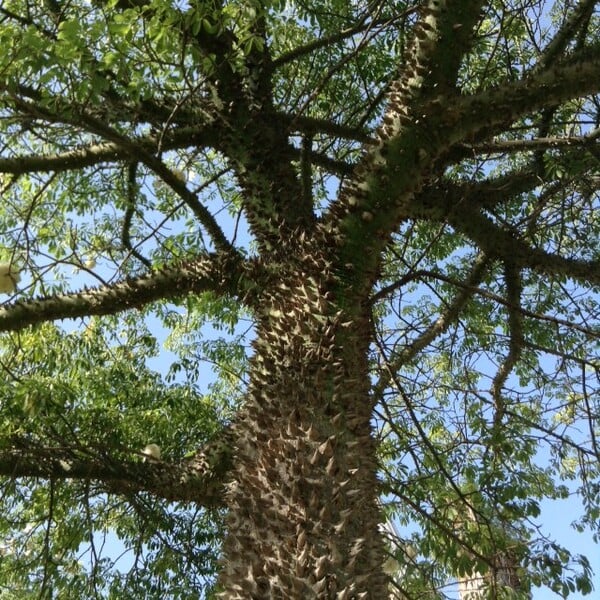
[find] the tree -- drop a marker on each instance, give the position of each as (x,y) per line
(396,203)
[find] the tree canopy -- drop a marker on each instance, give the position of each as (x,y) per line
(203,201)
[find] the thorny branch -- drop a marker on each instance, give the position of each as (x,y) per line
(514,289)
(215,272)
(197,479)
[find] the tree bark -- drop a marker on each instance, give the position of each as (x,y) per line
(303,516)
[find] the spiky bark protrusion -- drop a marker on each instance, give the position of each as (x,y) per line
(303,519)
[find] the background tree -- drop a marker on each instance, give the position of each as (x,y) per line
(376,221)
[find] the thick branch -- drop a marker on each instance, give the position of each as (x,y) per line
(198,479)
(215,272)
(441,39)
(385,188)
(94,154)
(385,181)
(438,200)
(505,245)
(560,42)
(493,109)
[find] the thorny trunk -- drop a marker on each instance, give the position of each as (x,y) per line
(303,520)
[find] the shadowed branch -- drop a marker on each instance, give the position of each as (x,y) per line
(197,479)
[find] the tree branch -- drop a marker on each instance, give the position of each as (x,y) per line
(539,143)
(492,109)
(134,151)
(198,479)
(93,154)
(437,200)
(128,216)
(506,246)
(441,38)
(217,272)
(322,42)
(501,300)
(182,137)
(156,164)
(514,289)
(560,42)
(369,205)
(448,316)
(313,126)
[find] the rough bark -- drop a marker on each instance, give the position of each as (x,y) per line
(303,518)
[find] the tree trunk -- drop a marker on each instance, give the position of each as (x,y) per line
(303,516)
